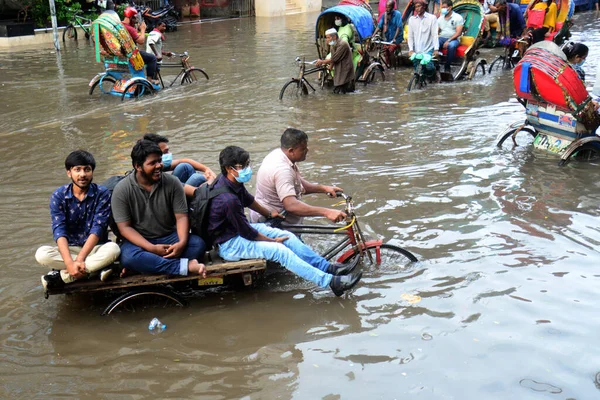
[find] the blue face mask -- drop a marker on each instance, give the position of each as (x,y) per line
(580,63)
(167,159)
(244,175)
(444,11)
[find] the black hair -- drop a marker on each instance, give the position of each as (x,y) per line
(160,22)
(231,156)
(292,138)
(156,138)
(447,2)
(110,5)
(142,149)
(80,157)
(500,3)
(343,17)
(575,50)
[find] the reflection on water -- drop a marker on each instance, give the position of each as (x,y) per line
(501,306)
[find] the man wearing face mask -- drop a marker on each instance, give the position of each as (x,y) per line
(451,27)
(238,239)
(391,26)
(341,61)
(423,37)
(184,169)
(151,213)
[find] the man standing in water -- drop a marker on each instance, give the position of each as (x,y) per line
(423,42)
(341,61)
(80,212)
(280,186)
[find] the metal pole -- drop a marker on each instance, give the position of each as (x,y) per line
(54,24)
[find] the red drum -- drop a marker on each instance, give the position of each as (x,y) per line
(542,76)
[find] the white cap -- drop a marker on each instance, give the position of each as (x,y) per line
(331,31)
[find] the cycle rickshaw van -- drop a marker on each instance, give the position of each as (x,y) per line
(467,55)
(124,75)
(560,114)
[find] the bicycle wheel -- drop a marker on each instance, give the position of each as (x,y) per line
(293,89)
(70,32)
(387,256)
(498,64)
(107,83)
(375,74)
(192,74)
(415,83)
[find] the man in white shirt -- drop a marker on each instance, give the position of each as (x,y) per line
(423,35)
(154,42)
(451,27)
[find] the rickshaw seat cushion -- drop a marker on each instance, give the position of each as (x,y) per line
(494,25)
(460,51)
(466,40)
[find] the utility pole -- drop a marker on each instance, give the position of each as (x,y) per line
(54,24)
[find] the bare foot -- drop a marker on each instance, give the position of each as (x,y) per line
(123,273)
(196,268)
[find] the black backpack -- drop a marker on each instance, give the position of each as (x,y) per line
(199,206)
(110,184)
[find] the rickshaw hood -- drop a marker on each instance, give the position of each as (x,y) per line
(359,16)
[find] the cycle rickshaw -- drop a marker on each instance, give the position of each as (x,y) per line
(367,70)
(244,273)
(124,74)
(514,48)
(560,115)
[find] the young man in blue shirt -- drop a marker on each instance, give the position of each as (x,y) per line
(80,212)
(238,239)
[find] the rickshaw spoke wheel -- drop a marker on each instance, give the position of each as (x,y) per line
(498,64)
(70,32)
(587,153)
(137,90)
(293,89)
(192,75)
(376,75)
(478,70)
(524,138)
(107,84)
(145,299)
(386,257)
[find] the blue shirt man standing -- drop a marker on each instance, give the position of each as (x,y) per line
(239,239)
(79,212)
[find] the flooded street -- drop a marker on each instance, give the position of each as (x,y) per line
(508,241)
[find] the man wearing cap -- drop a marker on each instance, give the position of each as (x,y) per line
(341,61)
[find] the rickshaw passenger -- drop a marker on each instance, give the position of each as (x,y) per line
(150,210)
(490,13)
(391,26)
(515,18)
(344,29)
(576,55)
(80,213)
(184,169)
(423,36)
(451,27)
(341,61)
(549,25)
(280,185)
(238,239)
(139,37)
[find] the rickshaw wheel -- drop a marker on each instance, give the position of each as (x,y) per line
(192,75)
(293,89)
(145,298)
(375,74)
(140,88)
(415,83)
(386,256)
(524,130)
(478,69)
(586,153)
(70,32)
(500,63)
(105,87)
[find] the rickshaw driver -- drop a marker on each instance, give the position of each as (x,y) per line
(238,239)
(140,38)
(154,43)
(391,26)
(280,185)
(515,18)
(451,26)
(423,37)
(341,61)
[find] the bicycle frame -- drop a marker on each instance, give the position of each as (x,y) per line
(81,22)
(183,64)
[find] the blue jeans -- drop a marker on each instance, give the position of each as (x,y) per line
(452,46)
(292,254)
(144,262)
(188,175)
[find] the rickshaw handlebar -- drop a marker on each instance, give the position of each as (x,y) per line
(299,60)
(381,42)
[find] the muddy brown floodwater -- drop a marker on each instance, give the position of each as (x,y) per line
(508,241)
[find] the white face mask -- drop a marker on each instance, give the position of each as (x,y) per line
(338,22)
(332,43)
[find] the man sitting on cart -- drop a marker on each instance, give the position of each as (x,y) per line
(280,185)
(341,61)
(80,213)
(423,42)
(391,26)
(150,210)
(139,37)
(451,26)
(237,239)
